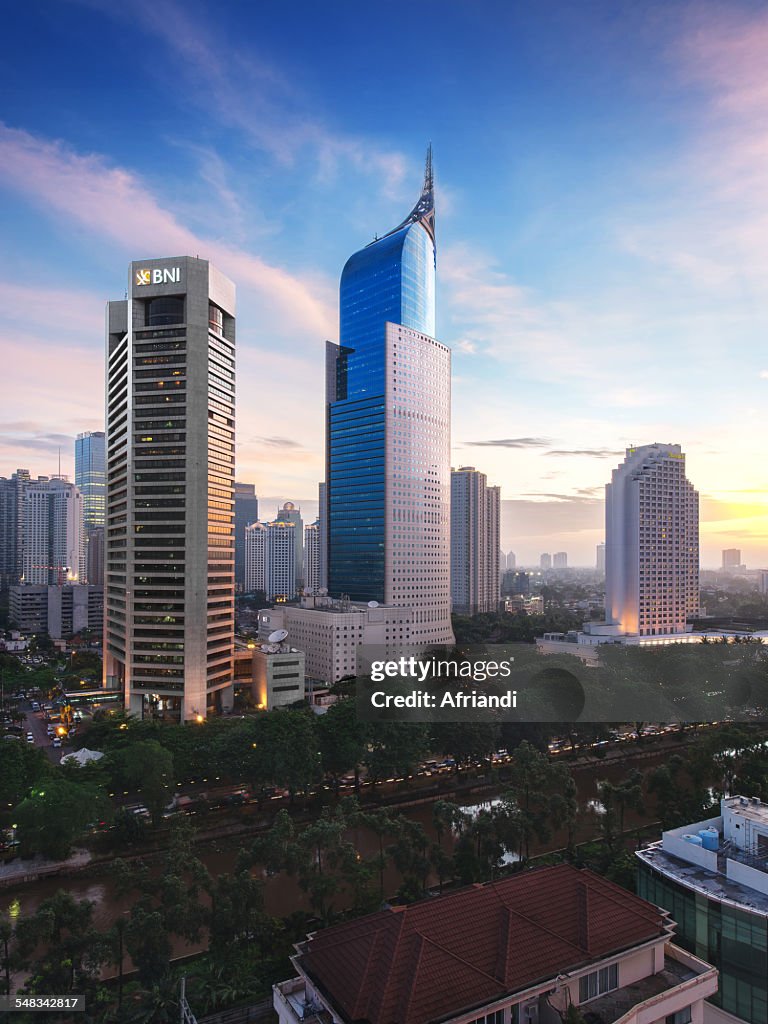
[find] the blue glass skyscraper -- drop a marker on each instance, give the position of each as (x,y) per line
(91,476)
(388,420)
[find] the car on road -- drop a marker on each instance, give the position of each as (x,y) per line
(30,738)
(35,705)
(57,741)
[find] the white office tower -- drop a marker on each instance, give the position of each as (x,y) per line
(270,559)
(280,561)
(289,513)
(255,555)
(169,607)
(560,560)
(475,510)
(545,561)
(53,550)
(652,543)
(312,557)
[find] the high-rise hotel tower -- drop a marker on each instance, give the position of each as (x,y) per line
(388,389)
(652,543)
(169,601)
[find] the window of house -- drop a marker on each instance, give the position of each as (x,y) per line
(595,984)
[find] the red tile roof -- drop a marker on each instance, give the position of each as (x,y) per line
(433,959)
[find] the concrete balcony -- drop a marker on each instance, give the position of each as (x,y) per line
(293,1006)
(684,981)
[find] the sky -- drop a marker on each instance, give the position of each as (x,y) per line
(602,227)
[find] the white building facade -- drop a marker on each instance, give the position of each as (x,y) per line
(53,547)
(475,555)
(652,543)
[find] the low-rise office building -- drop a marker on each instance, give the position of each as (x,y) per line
(58,611)
(329,632)
(712,877)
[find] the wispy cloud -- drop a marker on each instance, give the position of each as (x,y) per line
(598,453)
(278,442)
(578,498)
(114,203)
(511,442)
(249,93)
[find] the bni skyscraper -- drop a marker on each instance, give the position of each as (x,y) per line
(388,389)
(651,543)
(169,601)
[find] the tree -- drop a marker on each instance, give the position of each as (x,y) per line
(395,748)
(287,748)
(53,816)
(148,767)
(533,805)
(148,943)
(341,739)
(466,742)
(22,766)
(72,949)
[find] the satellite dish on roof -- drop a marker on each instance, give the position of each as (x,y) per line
(373,604)
(278,636)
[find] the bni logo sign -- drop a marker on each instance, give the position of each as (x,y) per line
(170,275)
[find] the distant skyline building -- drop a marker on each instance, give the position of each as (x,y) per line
(388,388)
(94,557)
(246,512)
(53,548)
(475,518)
(511,560)
(652,543)
(560,560)
(322,522)
(91,476)
(270,560)
(731,558)
(291,513)
(91,479)
(312,557)
(600,557)
(169,609)
(12,490)
(545,561)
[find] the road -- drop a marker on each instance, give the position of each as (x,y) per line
(36,724)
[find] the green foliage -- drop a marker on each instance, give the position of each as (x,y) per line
(55,814)
(341,738)
(395,748)
(22,766)
(147,766)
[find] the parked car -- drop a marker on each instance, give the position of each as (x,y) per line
(30,738)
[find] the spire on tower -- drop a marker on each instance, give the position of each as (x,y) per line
(424,210)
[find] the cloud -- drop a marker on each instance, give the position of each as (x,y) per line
(764,374)
(278,442)
(598,453)
(49,443)
(468,347)
(114,203)
(241,88)
(511,442)
(577,498)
